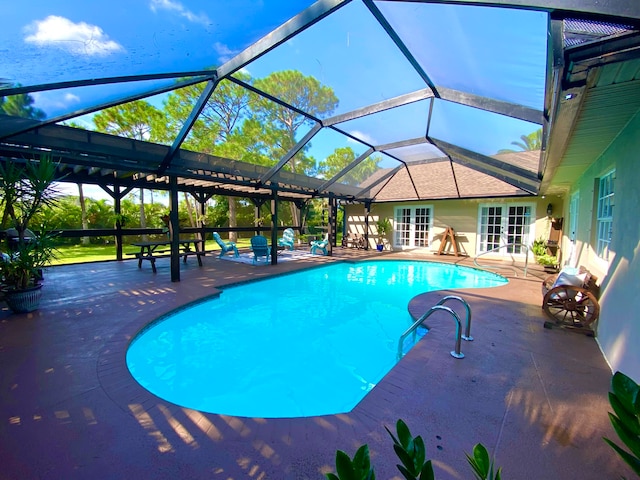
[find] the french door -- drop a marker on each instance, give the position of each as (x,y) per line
(505,229)
(412,226)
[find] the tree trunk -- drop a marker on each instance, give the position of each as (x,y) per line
(83,214)
(295,217)
(233,222)
(192,221)
(143,218)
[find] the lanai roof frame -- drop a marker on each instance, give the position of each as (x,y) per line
(624,11)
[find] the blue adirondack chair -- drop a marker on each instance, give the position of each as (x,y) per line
(225,246)
(288,238)
(260,248)
(320,245)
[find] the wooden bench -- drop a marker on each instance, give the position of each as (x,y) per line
(353,242)
(571,300)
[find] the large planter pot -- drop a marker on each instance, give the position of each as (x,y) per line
(380,247)
(23,301)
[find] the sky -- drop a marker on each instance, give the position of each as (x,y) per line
(498,53)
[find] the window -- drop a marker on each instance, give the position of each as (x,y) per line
(605,215)
(412,226)
(505,229)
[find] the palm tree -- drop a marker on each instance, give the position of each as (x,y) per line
(533,141)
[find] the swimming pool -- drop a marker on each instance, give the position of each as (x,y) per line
(303,344)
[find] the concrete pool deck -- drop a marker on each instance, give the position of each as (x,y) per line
(70,409)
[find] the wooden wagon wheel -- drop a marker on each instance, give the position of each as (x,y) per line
(571,306)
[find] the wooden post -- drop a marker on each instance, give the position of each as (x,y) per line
(274,224)
(174,229)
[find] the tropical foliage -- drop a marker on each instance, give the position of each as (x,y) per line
(532,141)
(624,398)
(412,454)
(234,122)
(20,105)
(26,189)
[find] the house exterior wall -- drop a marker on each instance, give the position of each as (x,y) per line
(461,215)
(618,328)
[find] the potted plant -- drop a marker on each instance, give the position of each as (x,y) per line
(539,249)
(384,227)
(26,190)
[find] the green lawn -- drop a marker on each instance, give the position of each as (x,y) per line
(95,253)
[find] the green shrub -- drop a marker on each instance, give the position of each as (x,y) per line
(539,248)
(624,398)
(412,453)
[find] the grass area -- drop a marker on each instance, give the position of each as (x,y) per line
(68,254)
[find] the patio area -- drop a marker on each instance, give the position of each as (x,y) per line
(70,409)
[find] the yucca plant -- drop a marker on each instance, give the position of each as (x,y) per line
(624,398)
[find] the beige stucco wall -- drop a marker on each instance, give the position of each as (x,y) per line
(461,215)
(618,329)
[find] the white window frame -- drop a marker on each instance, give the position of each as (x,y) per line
(604,214)
(410,229)
(528,240)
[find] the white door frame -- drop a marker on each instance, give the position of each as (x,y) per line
(504,227)
(411,231)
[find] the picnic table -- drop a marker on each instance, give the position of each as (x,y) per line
(153,250)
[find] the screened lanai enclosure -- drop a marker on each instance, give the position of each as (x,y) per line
(357,101)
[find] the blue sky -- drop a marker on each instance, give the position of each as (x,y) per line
(498,53)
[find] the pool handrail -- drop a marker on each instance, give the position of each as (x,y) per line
(456,353)
(467,331)
(498,267)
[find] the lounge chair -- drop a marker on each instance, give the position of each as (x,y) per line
(260,248)
(288,239)
(225,246)
(320,245)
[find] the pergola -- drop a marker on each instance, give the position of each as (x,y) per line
(443,101)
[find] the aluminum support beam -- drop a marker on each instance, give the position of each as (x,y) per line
(297,24)
(21,128)
(611,8)
(188,124)
(345,170)
(401,45)
(290,154)
(380,106)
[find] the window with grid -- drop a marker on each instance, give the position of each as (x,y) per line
(518,228)
(403,226)
(605,215)
(490,228)
(421,237)
(413,225)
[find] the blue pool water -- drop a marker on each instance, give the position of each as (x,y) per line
(304,344)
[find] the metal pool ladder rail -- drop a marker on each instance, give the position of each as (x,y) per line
(456,353)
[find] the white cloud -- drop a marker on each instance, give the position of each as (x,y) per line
(54,100)
(180,9)
(79,38)
(224,52)
(362,136)
(71,98)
